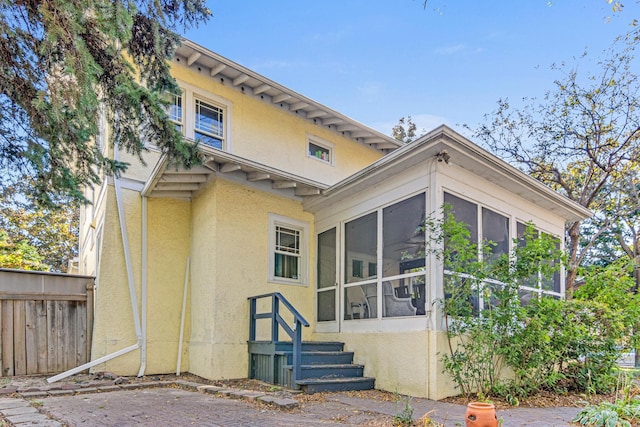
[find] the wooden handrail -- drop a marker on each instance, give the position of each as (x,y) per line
(294,332)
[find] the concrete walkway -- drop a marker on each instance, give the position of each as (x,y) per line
(183,403)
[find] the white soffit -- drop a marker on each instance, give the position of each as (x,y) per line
(250,83)
(171,181)
(463,153)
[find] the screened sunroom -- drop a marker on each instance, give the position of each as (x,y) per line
(373,271)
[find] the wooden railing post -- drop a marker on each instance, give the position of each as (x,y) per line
(252,319)
(294,331)
(297,353)
(275,309)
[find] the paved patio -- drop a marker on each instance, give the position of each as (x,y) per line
(187,405)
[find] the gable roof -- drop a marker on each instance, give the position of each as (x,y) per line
(443,141)
(250,83)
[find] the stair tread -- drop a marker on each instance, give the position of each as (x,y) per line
(337,365)
(316,352)
(329,380)
(329,365)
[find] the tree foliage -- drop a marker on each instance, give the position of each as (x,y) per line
(406,130)
(543,342)
(581,140)
(20,255)
(66,62)
(44,235)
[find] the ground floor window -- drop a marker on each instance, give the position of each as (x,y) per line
(288,249)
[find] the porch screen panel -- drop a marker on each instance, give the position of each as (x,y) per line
(327,275)
(552,283)
(495,229)
(531,281)
(403,239)
(361,242)
(360,264)
(466,212)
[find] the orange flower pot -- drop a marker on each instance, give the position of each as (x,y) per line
(481,414)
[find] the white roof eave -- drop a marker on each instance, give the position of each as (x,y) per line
(463,153)
(253,84)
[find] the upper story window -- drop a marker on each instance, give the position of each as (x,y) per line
(320,149)
(175,111)
(209,124)
(288,242)
(201,117)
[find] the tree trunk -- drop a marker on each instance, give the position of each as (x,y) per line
(636,274)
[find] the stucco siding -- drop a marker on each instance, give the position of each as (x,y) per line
(114,326)
(273,136)
(168,241)
(236,218)
(405,362)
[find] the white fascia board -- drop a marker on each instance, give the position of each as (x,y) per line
(293,94)
(464,153)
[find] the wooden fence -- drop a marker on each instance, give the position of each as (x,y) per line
(47,319)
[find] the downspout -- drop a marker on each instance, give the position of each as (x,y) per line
(143,295)
(184,310)
(127,253)
(434,272)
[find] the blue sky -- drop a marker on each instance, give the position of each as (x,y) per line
(379,60)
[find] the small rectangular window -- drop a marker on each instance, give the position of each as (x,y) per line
(320,150)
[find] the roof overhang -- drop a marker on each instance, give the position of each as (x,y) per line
(250,83)
(463,153)
(172,181)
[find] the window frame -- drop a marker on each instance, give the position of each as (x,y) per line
(276,221)
(513,222)
(190,95)
(322,144)
(420,274)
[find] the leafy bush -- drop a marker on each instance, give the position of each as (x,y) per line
(618,414)
(548,344)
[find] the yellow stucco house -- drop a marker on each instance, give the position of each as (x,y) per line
(302,204)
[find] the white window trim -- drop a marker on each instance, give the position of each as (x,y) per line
(190,94)
(312,139)
(303,227)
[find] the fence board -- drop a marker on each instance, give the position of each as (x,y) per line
(7,338)
(31,336)
(52,342)
(81,334)
(46,322)
(1,358)
(41,316)
(59,332)
(19,335)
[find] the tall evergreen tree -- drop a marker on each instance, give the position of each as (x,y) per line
(63,62)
